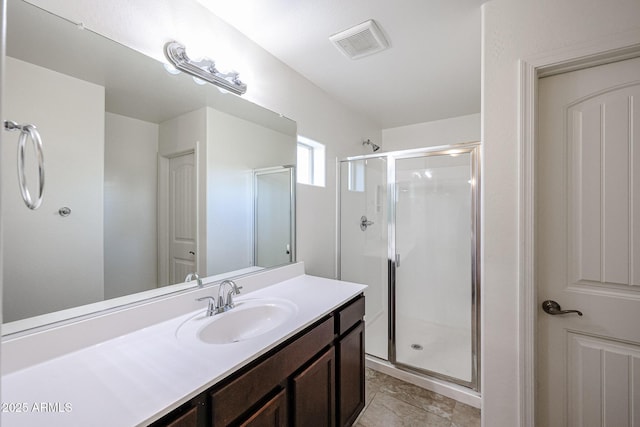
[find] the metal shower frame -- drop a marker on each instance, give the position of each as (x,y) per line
(474,150)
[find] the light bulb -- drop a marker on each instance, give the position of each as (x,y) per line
(170,68)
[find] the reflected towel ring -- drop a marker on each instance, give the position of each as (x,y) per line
(26,131)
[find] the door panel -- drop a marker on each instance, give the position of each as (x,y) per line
(600,183)
(587,246)
(182,217)
(604,382)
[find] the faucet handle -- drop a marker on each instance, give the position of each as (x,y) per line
(230,303)
(235,290)
(212,307)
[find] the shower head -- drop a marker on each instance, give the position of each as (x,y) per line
(374,147)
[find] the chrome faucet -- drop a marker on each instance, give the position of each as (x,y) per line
(223,302)
(194,276)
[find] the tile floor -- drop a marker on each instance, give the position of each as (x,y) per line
(390,402)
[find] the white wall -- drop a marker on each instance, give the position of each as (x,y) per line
(235,147)
(181,134)
(130,205)
(73,144)
(428,134)
(147,25)
(514,30)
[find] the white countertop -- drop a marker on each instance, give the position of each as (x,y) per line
(138,377)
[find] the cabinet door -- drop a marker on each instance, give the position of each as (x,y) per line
(188,419)
(314,393)
(191,414)
(231,401)
(272,414)
(351,376)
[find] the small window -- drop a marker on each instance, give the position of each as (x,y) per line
(311,161)
(355,175)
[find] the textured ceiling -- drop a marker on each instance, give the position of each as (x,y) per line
(431,71)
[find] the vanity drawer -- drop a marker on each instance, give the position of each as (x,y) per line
(233,399)
(350,315)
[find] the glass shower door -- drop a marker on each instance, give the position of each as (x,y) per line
(273,212)
(364,243)
(434,326)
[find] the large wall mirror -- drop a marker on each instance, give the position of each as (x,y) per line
(148,176)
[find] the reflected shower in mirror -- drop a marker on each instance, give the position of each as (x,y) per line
(156,176)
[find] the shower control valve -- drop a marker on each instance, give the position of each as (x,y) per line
(364,223)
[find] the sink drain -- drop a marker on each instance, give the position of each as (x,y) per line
(416,346)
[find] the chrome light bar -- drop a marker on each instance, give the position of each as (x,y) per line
(205,69)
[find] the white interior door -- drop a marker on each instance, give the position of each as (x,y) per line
(182,217)
(588,247)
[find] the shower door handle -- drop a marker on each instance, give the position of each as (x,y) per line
(397,260)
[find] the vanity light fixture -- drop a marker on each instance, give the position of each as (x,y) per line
(204,69)
(170,68)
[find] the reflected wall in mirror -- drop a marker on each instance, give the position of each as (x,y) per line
(159,175)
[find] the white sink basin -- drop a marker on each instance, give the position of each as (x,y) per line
(247,320)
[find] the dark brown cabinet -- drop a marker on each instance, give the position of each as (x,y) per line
(190,414)
(314,393)
(315,378)
(188,419)
(351,375)
(272,414)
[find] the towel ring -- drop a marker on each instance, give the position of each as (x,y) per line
(27,131)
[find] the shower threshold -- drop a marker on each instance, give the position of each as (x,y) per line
(445,388)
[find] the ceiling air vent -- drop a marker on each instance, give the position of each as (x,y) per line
(362,40)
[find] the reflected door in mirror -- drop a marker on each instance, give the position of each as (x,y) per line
(182,217)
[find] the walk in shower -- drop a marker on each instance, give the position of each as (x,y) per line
(409,227)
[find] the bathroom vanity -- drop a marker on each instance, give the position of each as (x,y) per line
(315,378)
(301,364)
